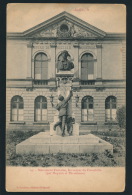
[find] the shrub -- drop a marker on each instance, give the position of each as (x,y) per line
(121,117)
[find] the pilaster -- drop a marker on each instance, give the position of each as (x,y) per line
(76,60)
(29,60)
(52,71)
(99,61)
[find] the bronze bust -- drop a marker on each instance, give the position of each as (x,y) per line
(63,63)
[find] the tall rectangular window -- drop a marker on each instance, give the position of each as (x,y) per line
(40,108)
(110,108)
(87,67)
(41,66)
(87,109)
(17,108)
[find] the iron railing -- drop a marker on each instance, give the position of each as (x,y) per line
(40,82)
(87,82)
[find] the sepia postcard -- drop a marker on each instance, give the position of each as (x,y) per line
(65,97)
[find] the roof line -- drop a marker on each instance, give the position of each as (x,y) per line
(58,16)
(64,15)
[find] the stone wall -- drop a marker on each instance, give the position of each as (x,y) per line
(124,59)
(112,60)
(99,102)
(16,59)
(29,98)
(109,57)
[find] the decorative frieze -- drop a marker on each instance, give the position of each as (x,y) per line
(99,45)
(63,46)
(53,45)
(76,45)
(41,46)
(65,29)
(44,46)
(87,46)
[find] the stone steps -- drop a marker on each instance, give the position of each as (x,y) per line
(82,139)
(43,143)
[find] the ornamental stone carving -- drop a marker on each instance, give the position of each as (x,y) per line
(64,29)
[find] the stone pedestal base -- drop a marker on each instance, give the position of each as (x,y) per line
(57,132)
(75,129)
(43,143)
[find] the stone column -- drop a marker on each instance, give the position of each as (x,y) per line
(29,60)
(99,61)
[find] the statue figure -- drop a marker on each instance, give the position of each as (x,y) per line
(62,108)
(63,63)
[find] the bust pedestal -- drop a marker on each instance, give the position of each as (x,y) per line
(65,73)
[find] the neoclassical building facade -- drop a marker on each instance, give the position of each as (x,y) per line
(98,75)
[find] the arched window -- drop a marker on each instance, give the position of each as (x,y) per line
(87,109)
(87,67)
(110,108)
(41,66)
(17,108)
(40,108)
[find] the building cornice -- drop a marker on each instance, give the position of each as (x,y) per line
(103,80)
(121,36)
(51,83)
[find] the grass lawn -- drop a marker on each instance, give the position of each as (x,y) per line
(117,139)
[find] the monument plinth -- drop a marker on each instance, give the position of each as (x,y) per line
(43,143)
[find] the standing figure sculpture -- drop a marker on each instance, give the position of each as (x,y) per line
(62,108)
(63,62)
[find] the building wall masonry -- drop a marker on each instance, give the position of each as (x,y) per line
(29,99)
(110,57)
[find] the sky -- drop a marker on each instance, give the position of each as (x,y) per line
(107,17)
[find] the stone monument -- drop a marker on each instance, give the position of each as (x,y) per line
(71,127)
(58,141)
(64,86)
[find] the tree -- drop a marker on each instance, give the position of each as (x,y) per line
(121,117)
